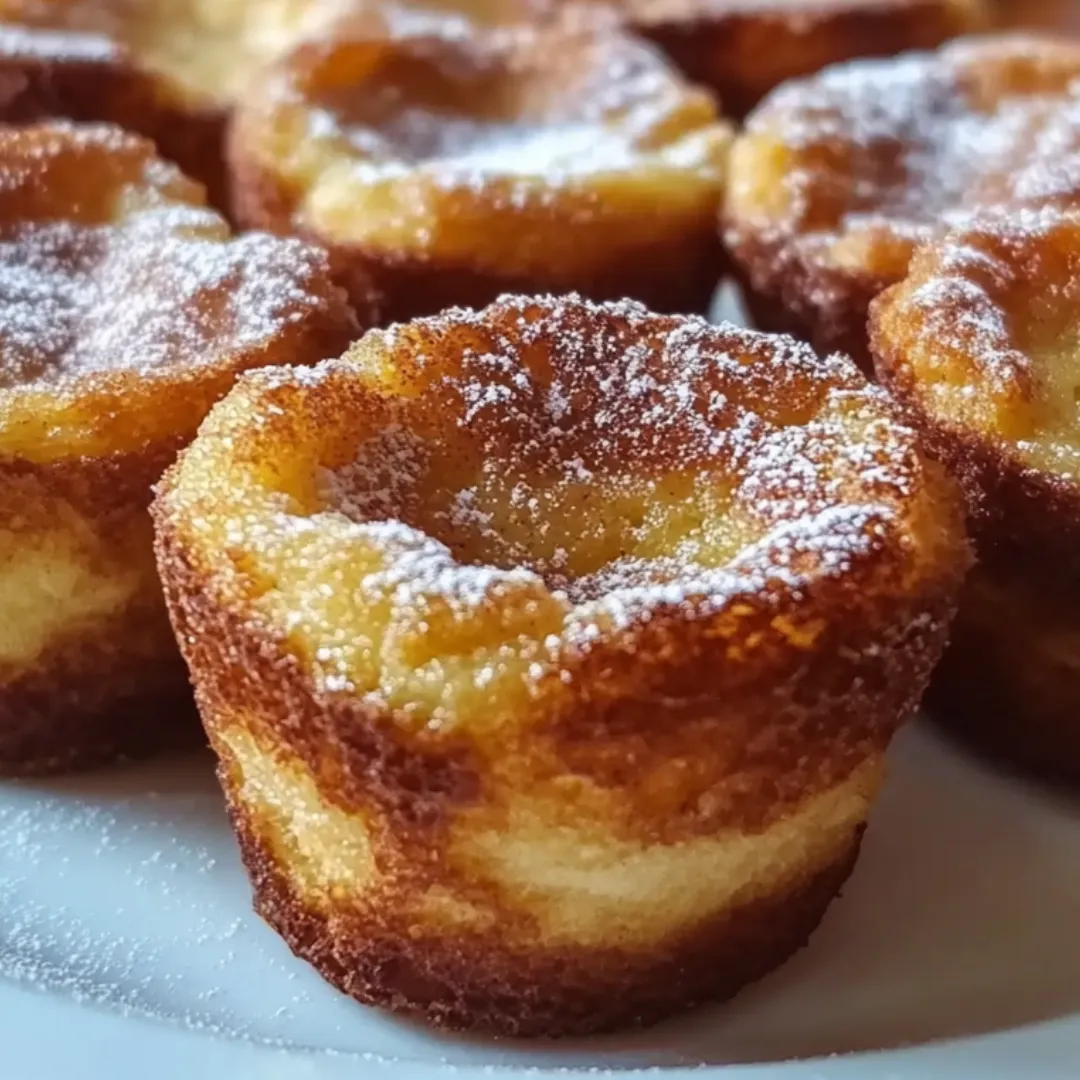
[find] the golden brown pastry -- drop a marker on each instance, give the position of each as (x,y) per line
(745,48)
(979,342)
(169,69)
(452,169)
(126,310)
(839,176)
(551,651)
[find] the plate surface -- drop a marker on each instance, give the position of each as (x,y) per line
(126,927)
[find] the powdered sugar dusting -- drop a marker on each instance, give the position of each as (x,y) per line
(963,286)
(122,892)
(628,462)
(505,105)
(905,140)
(881,154)
(983,332)
(160,285)
(54,45)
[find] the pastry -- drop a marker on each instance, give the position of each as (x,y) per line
(169,69)
(978,342)
(837,177)
(551,651)
(744,49)
(452,169)
(126,310)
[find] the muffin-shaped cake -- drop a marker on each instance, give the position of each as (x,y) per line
(839,176)
(169,70)
(126,310)
(451,169)
(743,49)
(979,341)
(551,651)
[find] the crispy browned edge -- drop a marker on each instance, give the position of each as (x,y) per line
(1025,524)
(475,981)
(678,278)
(785,292)
(743,51)
(472,984)
(842,706)
(37,86)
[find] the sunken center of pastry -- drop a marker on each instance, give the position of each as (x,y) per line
(500,111)
(596,456)
(575,518)
(571,478)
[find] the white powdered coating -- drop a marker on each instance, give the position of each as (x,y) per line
(983,334)
(125,896)
(959,313)
(966,280)
(902,143)
(880,155)
(160,287)
(790,556)
(506,105)
(1049,172)
(377,487)
(798,448)
(143,297)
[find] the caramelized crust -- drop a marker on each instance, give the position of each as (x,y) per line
(551,651)
(837,177)
(452,169)
(168,69)
(126,310)
(469,982)
(746,48)
(979,342)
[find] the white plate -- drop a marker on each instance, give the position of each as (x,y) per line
(128,950)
